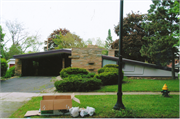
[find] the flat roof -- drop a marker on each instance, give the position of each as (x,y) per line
(42,54)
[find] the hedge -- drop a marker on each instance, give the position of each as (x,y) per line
(75,84)
(72,71)
(4,67)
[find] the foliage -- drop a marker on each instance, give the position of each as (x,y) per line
(109,74)
(108,40)
(13,50)
(4,67)
(160,25)
(72,71)
(1,44)
(10,72)
(68,41)
(111,66)
(75,84)
(132,37)
(20,38)
(108,78)
(56,33)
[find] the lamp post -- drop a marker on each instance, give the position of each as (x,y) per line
(119,104)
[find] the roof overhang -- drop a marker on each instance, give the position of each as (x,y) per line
(42,54)
(137,62)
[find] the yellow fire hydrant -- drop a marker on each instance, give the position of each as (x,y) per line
(165,91)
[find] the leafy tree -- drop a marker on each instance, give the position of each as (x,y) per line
(55,35)
(13,50)
(132,37)
(108,40)
(68,41)
(160,25)
(19,37)
(1,44)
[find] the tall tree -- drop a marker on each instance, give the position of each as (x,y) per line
(19,37)
(160,26)
(68,41)
(1,42)
(109,40)
(132,37)
(55,35)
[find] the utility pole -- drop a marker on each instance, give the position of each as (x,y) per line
(119,105)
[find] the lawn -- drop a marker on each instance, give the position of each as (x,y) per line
(139,106)
(143,85)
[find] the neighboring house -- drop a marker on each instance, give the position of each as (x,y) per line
(176,62)
(50,63)
(11,62)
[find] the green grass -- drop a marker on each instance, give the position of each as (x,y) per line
(145,106)
(143,85)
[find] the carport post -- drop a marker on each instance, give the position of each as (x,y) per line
(63,63)
(119,105)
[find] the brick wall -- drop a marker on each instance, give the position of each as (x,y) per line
(18,67)
(89,58)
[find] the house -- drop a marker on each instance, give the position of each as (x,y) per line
(11,62)
(50,63)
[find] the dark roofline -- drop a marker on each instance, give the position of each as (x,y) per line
(138,62)
(39,54)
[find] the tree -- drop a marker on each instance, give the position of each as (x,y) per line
(109,40)
(13,50)
(20,38)
(160,26)
(55,35)
(1,43)
(68,41)
(132,37)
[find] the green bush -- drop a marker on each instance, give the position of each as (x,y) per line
(108,74)
(111,66)
(108,78)
(77,84)
(10,72)
(4,67)
(72,71)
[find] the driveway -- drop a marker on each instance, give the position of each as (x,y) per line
(30,84)
(15,92)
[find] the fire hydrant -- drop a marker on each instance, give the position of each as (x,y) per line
(165,91)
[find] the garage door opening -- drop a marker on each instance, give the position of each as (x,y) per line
(45,65)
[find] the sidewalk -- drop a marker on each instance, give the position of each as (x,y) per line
(11,101)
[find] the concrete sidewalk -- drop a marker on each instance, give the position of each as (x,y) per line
(11,101)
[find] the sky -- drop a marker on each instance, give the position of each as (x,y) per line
(88,19)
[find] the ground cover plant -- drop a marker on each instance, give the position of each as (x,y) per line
(10,72)
(142,85)
(137,106)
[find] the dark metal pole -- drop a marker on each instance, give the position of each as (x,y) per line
(119,104)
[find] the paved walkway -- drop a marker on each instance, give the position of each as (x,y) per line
(11,101)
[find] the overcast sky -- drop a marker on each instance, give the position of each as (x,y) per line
(85,18)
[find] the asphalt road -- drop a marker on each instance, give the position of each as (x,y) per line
(28,84)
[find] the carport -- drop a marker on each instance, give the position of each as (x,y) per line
(47,63)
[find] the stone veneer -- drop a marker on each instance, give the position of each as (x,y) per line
(89,58)
(111,52)
(18,67)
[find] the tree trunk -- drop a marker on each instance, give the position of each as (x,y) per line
(173,64)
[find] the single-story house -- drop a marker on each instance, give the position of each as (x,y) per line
(11,62)
(50,63)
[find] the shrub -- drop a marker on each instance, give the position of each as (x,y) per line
(4,66)
(109,74)
(71,71)
(10,72)
(77,84)
(108,78)
(111,66)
